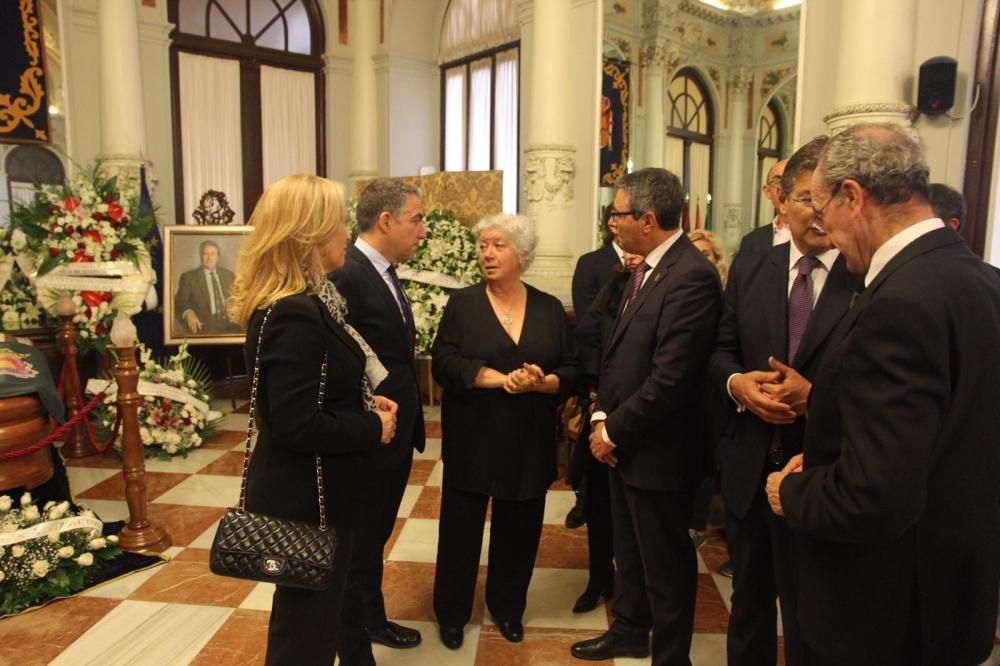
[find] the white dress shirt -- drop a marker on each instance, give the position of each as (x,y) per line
(381,265)
(895,245)
(782,234)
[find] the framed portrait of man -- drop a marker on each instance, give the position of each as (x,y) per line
(199,268)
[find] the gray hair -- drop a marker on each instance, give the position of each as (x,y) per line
(520,229)
(383,195)
(657,191)
(882,158)
(804,159)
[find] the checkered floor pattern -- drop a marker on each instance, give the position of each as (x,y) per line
(179,613)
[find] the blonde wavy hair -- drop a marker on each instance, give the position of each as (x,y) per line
(721,260)
(292,219)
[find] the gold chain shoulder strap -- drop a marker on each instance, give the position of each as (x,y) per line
(250,425)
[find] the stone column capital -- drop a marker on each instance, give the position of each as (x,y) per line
(740,79)
(549,172)
(895,113)
(660,55)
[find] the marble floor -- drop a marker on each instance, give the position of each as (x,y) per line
(179,613)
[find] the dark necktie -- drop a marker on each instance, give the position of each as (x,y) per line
(800,304)
(404,304)
(220,302)
(637,276)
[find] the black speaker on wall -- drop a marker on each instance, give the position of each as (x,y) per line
(936,89)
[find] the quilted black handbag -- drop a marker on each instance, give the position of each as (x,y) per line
(274,550)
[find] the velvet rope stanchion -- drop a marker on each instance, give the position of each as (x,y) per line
(77,443)
(139,534)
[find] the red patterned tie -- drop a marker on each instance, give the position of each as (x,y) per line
(800,304)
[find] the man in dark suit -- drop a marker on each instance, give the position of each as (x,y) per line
(896,507)
(647,422)
(390,227)
(762,239)
(201,297)
(781,307)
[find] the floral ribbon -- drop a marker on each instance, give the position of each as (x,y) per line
(93,525)
(95,386)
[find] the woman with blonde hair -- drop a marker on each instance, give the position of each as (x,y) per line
(315,382)
(710,245)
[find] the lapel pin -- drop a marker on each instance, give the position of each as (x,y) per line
(656,278)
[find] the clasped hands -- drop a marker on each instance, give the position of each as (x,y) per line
(528,377)
(386,410)
(600,449)
(777,396)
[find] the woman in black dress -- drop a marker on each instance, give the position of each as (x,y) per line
(504,358)
(300,235)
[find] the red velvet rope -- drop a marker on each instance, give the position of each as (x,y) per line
(63,429)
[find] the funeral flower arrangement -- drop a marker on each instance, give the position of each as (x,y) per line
(175,415)
(47,553)
(86,239)
(448,259)
(18,301)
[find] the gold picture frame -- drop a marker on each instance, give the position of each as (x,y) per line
(191,273)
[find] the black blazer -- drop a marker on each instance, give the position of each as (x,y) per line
(652,371)
(754,326)
(282,478)
(758,241)
(373,311)
(593,270)
(495,443)
(897,508)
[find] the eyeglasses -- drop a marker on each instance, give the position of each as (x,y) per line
(622,213)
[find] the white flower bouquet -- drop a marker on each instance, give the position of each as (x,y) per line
(174,416)
(447,259)
(19,307)
(48,553)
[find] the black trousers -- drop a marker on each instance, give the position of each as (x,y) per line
(305,626)
(657,568)
(764,569)
(515,531)
(364,586)
(597,509)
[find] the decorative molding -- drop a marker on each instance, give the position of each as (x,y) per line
(660,54)
(774,79)
(740,79)
(549,171)
(338,64)
(869,108)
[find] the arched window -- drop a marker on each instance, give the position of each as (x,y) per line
(769,141)
(248,97)
(27,167)
(690,126)
(479,90)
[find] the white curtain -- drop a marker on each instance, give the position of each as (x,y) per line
(288,122)
(211,141)
(454,119)
(480,105)
(505,126)
(673,156)
(471,26)
(700,173)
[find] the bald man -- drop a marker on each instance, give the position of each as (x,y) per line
(762,239)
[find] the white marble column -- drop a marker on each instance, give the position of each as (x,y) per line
(123,133)
(550,157)
(735,215)
(870,81)
(653,101)
(364,118)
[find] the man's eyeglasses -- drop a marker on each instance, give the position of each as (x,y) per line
(621,213)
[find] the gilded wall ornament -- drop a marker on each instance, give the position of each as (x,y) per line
(23,117)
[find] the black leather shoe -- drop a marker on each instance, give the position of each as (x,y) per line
(452,637)
(609,646)
(590,598)
(512,630)
(395,636)
(576,518)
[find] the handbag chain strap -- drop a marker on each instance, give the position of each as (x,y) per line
(250,426)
